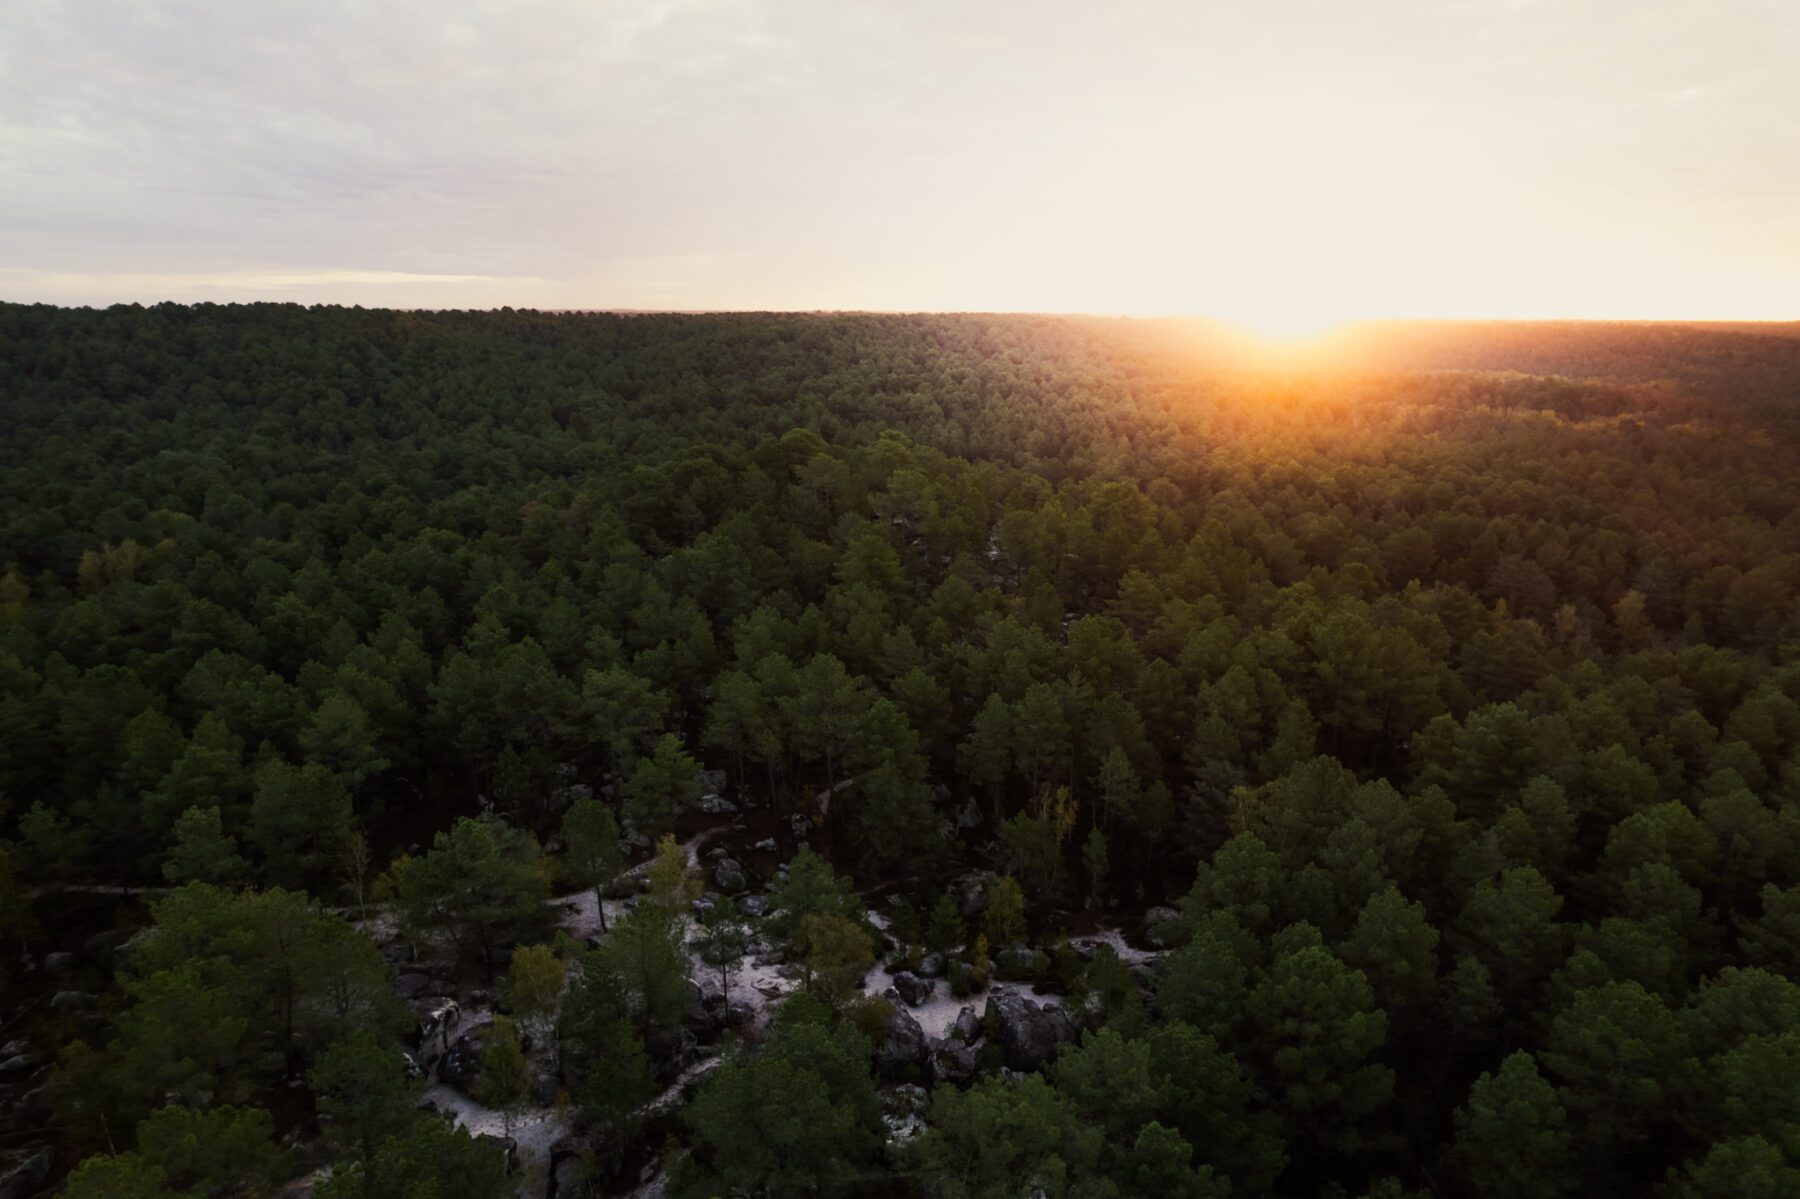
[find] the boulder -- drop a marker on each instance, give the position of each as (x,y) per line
(931,966)
(415,986)
(967,1025)
(564,797)
(72,1001)
(1029,1034)
(907,1099)
(728,876)
(802,826)
(717,805)
(544,1087)
(970,893)
(19,1063)
(1160,926)
(459,1066)
(753,905)
(15,1047)
(711,782)
(913,989)
(766,845)
(951,1061)
(904,1045)
(24,1175)
(699,1015)
(59,962)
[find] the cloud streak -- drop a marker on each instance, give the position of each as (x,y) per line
(1397,158)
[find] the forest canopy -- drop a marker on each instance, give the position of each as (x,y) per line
(1425,722)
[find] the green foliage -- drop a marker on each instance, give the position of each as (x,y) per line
(812,888)
(202,851)
(533,987)
(223,1150)
(591,848)
(662,789)
(1003,921)
(502,1077)
(363,1094)
(1002,1138)
(835,954)
(1480,664)
(1513,1137)
(947,931)
(430,1159)
(299,820)
(480,885)
(796,1116)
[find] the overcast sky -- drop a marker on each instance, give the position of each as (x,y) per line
(1277,162)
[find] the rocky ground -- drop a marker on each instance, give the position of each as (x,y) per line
(933,1035)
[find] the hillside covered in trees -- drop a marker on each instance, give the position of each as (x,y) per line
(895,756)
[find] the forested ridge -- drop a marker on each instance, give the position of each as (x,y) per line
(1367,774)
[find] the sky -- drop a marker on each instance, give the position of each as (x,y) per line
(1285,164)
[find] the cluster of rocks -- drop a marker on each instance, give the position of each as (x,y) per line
(712,798)
(1028,1034)
(24,1106)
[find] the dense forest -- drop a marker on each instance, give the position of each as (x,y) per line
(451,755)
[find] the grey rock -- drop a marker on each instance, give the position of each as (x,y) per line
(415,986)
(766,845)
(544,1088)
(1029,1034)
(967,1025)
(28,1172)
(1160,924)
(907,1099)
(931,966)
(19,1063)
(901,1129)
(59,962)
(711,781)
(72,1001)
(462,1063)
(904,1045)
(15,1047)
(728,876)
(951,1061)
(801,825)
(717,805)
(971,892)
(753,905)
(913,989)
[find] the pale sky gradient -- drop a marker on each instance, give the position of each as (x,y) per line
(1281,163)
